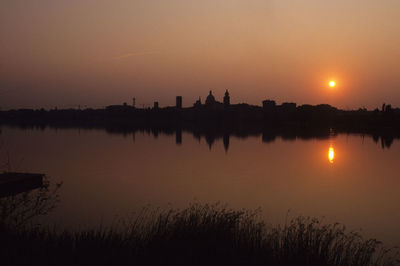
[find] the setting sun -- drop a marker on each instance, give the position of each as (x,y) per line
(332,84)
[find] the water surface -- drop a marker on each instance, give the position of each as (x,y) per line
(346,178)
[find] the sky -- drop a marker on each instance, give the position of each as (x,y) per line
(57,53)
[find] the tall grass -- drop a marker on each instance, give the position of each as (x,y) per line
(201,234)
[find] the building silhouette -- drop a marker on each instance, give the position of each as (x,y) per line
(268,105)
(197,103)
(179,102)
(227,100)
(291,107)
(155,105)
(210,100)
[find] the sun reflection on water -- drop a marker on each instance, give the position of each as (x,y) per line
(331,154)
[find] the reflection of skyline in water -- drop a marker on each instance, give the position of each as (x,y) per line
(266,137)
(213,133)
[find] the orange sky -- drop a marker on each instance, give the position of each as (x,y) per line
(98,52)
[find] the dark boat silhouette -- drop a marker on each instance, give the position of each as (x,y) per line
(12,183)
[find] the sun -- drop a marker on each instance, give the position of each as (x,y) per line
(332,84)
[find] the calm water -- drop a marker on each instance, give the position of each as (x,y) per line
(346,178)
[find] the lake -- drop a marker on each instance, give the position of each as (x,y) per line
(349,179)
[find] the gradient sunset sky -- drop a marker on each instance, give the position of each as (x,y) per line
(97,52)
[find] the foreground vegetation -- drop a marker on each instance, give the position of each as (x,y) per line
(198,235)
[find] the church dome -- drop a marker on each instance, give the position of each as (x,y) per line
(210,98)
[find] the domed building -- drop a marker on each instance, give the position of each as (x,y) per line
(210,100)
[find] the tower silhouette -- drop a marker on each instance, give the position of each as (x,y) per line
(227,100)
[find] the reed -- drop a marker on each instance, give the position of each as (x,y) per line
(201,234)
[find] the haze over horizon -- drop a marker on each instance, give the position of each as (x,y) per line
(96,53)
